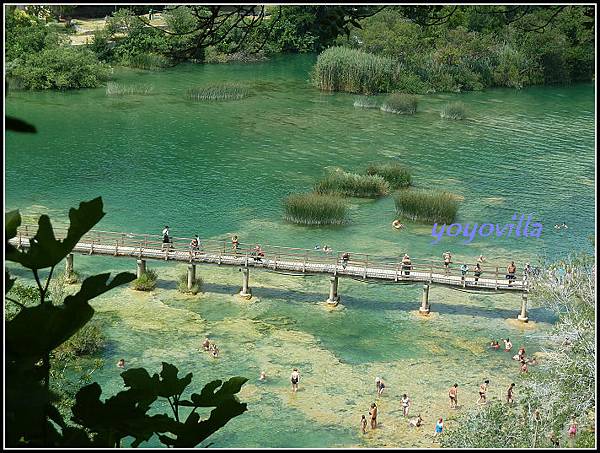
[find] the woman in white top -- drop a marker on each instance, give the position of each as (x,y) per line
(295,378)
(405,404)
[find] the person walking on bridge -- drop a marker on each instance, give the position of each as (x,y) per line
(166,236)
(406,264)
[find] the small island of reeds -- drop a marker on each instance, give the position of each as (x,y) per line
(398,176)
(119,89)
(366,102)
(426,206)
(315,209)
(146,281)
(405,104)
(218,92)
(454,111)
(353,185)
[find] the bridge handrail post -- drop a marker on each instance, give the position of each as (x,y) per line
(366,265)
(396,277)
(431,273)
(140,249)
(145,241)
(304,262)
(122,239)
(496,277)
(276,257)
(116,247)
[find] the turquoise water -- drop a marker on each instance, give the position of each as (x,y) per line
(221,168)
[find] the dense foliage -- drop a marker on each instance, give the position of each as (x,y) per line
(562,387)
(475,48)
(38,57)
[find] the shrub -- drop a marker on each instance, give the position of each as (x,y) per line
(218,92)
(427,206)
(87,340)
(353,185)
(398,176)
(315,209)
(400,103)
(454,111)
(118,89)
(59,68)
(366,102)
(146,282)
(182,285)
(355,71)
(148,61)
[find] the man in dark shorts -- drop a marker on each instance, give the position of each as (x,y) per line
(453,395)
(510,272)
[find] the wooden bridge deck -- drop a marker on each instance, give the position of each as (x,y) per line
(302,261)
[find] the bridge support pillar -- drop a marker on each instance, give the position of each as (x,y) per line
(191,275)
(523,315)
(334,299)
(69,264)
(245,292)
(425,307)
(141,268)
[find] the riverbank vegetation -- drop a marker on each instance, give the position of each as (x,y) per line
(405,104)
(454,111)
(426,206)
(352,184)
(558,391)
(315,209)
(398,176)
(146,281)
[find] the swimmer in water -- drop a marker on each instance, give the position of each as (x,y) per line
(215,351)
(494,344)
(397,224)
(121,363)
(206,344)
(416,422)
(263,376)
(507,345)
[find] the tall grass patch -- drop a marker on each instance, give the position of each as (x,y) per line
(146,281)
(398,176)
(454,111)
(147,61)
(218,92)
(354,71)
(402,103)
(315,209)
(119,89)
(353,185)
(366,102)
(427,206)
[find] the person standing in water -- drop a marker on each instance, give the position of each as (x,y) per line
(510,393)
(453,395)
(263,376)
(206,344)
(235,243)
(507,345)
(380,386)
(295,378)
(363,424)
(405,405)
(439,427)
(482,392)
(121,363)
(373,414)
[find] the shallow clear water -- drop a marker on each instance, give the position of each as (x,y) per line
(221,168)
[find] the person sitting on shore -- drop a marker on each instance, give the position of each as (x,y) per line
(416,422)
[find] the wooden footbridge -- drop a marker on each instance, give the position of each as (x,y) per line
(288,260)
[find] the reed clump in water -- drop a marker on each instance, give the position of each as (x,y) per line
(119,89)
(315,209)
(146,281)
(401,103)
(366,102)
(426,205)
(353,185)
(147,61)
(398,176)
(454,111)
(354,71)
(218,92)
(182,286)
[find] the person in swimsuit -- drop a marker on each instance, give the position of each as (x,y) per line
(453,395)
(215,351)
(439,427)
(206,344)
(477,272)
(495,345)
(295,378)
(373,414)
(523,366)
(521,354)
(258,253)
(405,405)
(482,392)
(263,376)
(481,259)
(507,345)
(235,243)
(573,428)
(121,363)
(381,387)
(447,260)
(510,272)
(363,424)
(327,249)
(406,264)
(510,393)
(416,422)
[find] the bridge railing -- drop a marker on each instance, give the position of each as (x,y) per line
(277,253)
